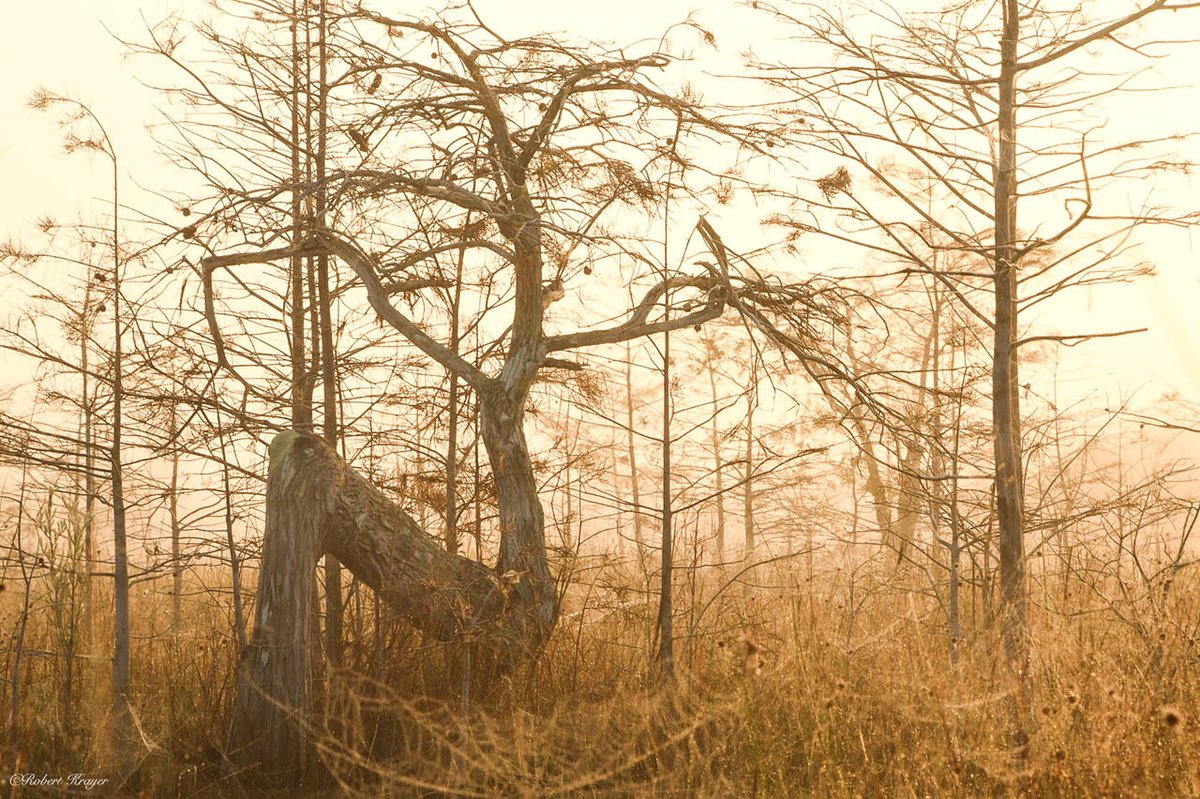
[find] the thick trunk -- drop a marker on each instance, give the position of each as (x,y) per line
(522,524)
(316,504)
(274,670)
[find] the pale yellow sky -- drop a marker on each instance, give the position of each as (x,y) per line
(64,46)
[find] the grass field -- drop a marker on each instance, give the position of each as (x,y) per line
(844,683)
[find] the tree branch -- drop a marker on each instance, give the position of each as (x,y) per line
(361,264)
(326,241)
(636,325)
(1102,33)
(1073,341)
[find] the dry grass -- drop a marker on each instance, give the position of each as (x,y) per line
(849,691)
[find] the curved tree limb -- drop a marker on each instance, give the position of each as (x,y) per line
(326,241)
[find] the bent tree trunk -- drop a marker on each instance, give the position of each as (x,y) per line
(316,504)
(522,523)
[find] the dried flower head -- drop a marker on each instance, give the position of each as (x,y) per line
(1171,717)
(835,182)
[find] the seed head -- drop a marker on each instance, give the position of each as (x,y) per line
(1171,717)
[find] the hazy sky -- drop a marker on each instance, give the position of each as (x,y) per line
(66,46)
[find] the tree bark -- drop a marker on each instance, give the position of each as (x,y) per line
(522,523)
(1006,409)
(274,670)
(316,504)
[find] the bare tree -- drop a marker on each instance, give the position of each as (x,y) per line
(928,94)
(527,157)
(98,140)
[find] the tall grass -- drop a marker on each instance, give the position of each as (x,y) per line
(840,683)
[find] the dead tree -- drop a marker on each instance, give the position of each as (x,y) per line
(318,505)
(524,171)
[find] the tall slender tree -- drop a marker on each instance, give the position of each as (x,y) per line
(943,114)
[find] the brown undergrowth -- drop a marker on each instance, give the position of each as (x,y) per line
(843,683)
